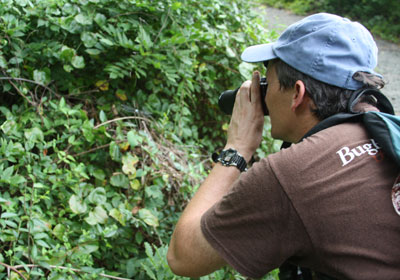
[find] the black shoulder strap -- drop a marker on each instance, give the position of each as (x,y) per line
(383,105)
(333,120)
(328,122)
(382,102)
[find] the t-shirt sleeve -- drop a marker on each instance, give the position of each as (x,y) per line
(255,227)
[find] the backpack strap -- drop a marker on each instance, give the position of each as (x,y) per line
(385,129)
(383,103)
(332,121)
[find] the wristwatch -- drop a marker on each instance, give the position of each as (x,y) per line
(231,157)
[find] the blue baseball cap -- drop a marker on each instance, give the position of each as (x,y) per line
(326,47)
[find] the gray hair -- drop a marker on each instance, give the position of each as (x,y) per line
(328,99)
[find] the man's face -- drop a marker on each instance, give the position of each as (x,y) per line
(279,103)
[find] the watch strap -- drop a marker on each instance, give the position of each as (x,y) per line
(231,157)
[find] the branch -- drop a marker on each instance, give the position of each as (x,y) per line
(163,25)
(20,93)
(120,119)
(95,149)
(29,81)
(68,268)
(134,13)
(13,268)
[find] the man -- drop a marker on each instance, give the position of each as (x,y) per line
(324,202)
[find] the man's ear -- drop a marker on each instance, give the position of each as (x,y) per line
(299,96)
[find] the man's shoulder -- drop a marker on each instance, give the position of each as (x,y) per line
(321,145)
(342,149)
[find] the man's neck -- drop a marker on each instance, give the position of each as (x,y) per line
(303,126)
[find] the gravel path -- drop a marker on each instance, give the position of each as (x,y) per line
(389,53)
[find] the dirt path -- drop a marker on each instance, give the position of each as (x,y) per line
(388,55)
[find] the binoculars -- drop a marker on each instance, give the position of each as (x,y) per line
(227,99)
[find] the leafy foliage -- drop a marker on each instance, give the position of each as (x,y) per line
(106,107)
(382,17)
(168,59)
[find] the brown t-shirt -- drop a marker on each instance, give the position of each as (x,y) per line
(324,203)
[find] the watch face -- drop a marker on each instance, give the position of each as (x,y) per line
(228,155)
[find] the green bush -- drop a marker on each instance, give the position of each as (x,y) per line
(106,109)
(382,17)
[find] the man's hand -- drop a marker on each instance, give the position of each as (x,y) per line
(245,128)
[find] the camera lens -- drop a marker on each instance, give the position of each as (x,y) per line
(226,100)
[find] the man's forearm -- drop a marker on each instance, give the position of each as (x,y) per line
(216,185)
(188,248)
(189,253)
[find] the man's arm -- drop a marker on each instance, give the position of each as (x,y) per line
(189,253)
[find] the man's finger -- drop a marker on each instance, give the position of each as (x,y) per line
(255,88)
(244,92)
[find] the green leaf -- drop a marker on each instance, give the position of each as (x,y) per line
(97,196)
(230,52)
(38,225)
(68,68)
(100,19)
(2,268)
(154,192)
(148,250)
(87,129)
(3,62)
(148,217)
(139,237)
(83,19)
(93,51)
(89,39)
(77,205)
(7,215)
(8,127)
(119,180)
(22,3)
(246,69)
(131,266)
(134,139)
(103,116)
(149,272)
(78,62)
(115,152)
(6,174)
(144,38)
(116,214)
(98,216)
(16,180)
(128,164)
(135,184)
(57,259)
(110,231)
(99,174)
(107,42)
(34,135)
(59,231)
(11,224)
(41,77)
(67,54)
(176,5)
(42,243)
(40,235)
(88,248)
(40,186)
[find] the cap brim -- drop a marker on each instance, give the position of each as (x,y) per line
(259,53)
